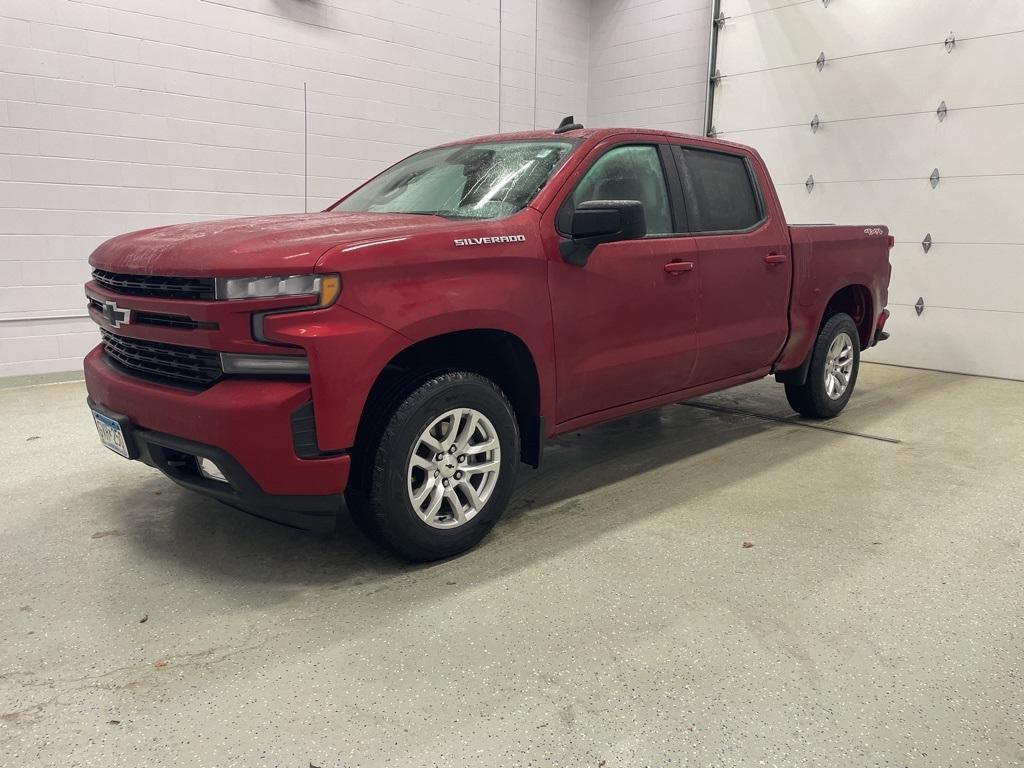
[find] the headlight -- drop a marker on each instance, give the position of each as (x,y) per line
(327,287)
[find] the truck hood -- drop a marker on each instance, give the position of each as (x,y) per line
(291,243)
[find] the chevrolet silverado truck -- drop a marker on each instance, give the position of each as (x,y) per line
(403,351)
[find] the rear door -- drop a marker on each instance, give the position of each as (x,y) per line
(745,269)
(626,322)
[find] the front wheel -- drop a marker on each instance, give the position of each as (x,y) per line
(442,469)
(835,361)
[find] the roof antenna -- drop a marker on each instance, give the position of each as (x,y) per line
(568,124)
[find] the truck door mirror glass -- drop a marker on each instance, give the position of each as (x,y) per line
(602,221)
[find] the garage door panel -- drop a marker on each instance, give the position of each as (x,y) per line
(980,272)
(959,210)
(963,341)
(896,147)
(879,138)
(732,8)
(796,34)
(899,82)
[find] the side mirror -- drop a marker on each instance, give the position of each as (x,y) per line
(602,221)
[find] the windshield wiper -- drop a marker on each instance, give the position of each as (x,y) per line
(442,214)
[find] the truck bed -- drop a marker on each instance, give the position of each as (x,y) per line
(828,258)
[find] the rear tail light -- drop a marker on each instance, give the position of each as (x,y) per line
(892,242)
(881,320)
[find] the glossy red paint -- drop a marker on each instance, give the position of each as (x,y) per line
(260,245)
(825,261)
(248,419)
(624,329)
(624,333)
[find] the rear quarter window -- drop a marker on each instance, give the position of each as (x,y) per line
(720,193)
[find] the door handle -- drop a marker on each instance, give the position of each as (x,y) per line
(675,267)
(775,258)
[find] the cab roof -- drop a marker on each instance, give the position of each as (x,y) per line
(590,135)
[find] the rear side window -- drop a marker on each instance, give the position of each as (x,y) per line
(720,195)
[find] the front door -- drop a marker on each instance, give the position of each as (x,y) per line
(625,323)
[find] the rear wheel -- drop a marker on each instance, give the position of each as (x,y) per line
(835,361)
(441,470)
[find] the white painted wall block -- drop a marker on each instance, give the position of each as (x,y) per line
(648,63)
(117,115)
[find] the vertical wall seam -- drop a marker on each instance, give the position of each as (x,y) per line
(501,46)
(536,55)
(305,150)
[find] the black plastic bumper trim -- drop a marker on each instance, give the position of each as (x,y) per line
(176,457)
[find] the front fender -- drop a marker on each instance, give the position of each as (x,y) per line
(346,353)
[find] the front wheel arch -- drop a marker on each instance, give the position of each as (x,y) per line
(497,355)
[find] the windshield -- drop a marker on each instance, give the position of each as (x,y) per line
(469,181)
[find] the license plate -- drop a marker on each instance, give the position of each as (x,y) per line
(111,434)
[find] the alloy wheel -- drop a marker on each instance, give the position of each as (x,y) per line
(453,468)
(838,366)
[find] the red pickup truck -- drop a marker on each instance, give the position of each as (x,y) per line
(409,346)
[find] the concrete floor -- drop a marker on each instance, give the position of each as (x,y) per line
(614,618)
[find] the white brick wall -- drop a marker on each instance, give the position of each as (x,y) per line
(552,39)
(117,115)
(648,63)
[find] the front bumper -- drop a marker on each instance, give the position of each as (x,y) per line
(243,425)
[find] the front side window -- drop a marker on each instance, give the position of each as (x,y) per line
(719,192)
(630,172)
(469,181)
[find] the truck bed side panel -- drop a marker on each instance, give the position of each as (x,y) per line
(827,259)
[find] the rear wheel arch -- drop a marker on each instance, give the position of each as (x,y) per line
(853,300)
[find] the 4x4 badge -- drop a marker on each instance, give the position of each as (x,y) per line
(115,315)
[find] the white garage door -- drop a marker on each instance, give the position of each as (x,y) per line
(903,89)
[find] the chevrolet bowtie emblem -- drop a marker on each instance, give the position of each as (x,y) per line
(116,315)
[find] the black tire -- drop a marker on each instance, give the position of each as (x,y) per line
(811,399)
(378,497)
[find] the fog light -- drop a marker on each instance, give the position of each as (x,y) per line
(210,470)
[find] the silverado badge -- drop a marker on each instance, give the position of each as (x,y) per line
(462,241)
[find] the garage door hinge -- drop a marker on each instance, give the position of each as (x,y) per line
(950,42)
(716,78)
(815,123)
(820,61)
(919,306)
(720,21)
(927,242)
(941,111)
(809,183)
(934,178)
(825,3)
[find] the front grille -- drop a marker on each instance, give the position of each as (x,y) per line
(154,318)
(164,362)
(156,285)
(167,321)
